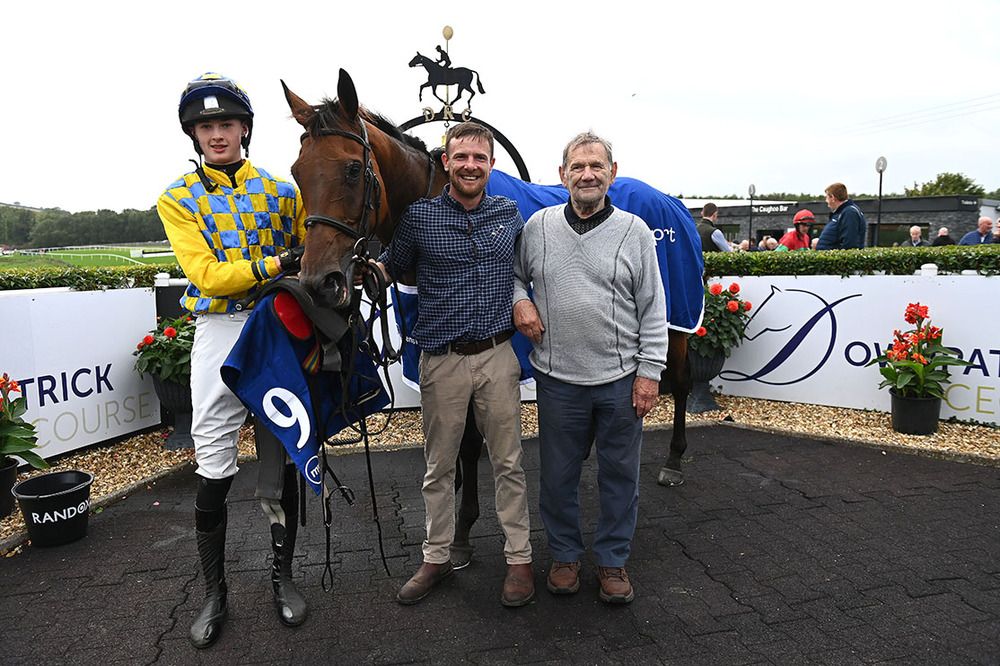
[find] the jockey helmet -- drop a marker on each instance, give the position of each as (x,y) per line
(804,216)
(212,96)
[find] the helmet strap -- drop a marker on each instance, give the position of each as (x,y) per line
(208,183)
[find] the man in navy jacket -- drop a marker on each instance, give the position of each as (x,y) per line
(847,226)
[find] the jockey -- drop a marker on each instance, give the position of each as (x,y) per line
(232,226)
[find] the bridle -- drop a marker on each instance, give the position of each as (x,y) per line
(372,192)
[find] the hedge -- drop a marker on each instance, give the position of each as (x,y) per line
(984,259)
(84,279)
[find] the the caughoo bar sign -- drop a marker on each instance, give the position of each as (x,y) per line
(71,352)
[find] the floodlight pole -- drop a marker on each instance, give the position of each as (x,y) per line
(751,191)
(880,165)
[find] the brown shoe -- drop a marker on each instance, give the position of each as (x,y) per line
(422,582)
(564,578)
(615,585)
(518,585)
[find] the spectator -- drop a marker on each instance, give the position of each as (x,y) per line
(847,226)
(943,238)
(770,243)
(712,239)
(915,239)
(798,237)
(744,245)
(981,235)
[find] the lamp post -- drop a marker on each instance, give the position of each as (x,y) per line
(752,190)
(880,165)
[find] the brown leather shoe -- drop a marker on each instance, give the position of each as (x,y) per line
(518,585)
(564,578)
(422,582)
(615,585)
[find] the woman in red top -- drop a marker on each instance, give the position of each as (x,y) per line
(798,239)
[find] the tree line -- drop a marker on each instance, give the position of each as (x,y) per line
(28,228)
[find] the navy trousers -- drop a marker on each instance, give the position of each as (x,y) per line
(570,417)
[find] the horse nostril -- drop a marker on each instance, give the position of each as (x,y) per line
(334,289)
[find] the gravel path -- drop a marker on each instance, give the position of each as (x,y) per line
(141,460)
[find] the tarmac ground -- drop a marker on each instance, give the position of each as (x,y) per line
(776,550)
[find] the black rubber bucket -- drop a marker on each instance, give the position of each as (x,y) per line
(55,506)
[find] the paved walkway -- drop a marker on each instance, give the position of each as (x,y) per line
(777,550)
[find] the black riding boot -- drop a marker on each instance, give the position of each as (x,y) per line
(291,605)
(211,550)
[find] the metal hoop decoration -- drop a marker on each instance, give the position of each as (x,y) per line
(373,189)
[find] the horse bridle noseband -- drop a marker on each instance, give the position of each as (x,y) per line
(373,189)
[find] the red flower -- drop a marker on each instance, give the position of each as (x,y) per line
(148,340)
(915,311)
(170,332)
(919,358)
(933,333)
(701,332)
(715,289)
(732,306)
(12,387)
(140,345)
(747,306)
(734,288)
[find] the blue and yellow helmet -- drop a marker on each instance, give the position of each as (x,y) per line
(212,96)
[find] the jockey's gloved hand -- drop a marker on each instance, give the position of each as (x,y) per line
(291,260)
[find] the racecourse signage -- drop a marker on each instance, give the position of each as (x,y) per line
(71,354)
(811,338)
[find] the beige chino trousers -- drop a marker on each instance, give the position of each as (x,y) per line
(447,382)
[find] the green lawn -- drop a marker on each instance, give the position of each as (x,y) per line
(110,256)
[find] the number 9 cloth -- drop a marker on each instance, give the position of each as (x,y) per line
(272,373)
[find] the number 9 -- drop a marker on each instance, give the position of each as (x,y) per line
(291,402)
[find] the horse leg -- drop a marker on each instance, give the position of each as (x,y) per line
(679,375)
(468,511)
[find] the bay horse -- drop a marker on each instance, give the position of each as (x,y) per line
(439,75)
(357,173)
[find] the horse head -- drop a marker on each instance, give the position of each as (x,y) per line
(419,60)
(341,187)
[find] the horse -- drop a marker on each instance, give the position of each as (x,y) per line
(439,75)
(357,173)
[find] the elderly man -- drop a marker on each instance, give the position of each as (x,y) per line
(847,226)
(915,240)
(600,341)
(982,235)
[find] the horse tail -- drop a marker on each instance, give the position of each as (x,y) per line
(479,84)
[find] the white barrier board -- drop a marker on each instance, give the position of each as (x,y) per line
(71,352)
(810,338)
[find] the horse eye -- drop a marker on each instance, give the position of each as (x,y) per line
(353,171)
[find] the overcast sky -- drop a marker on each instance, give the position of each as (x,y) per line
(701,98)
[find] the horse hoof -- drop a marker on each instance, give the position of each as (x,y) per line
(670,477)
(461,556)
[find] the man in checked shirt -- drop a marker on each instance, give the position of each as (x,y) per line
(461,245)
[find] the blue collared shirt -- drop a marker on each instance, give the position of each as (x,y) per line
(464,261)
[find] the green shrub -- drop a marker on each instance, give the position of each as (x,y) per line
(892,260)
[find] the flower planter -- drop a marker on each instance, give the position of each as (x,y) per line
(55,506)
(915,416)
(8,475)
(703,369)
(176,398)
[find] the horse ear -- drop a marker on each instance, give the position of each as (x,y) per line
(347,95)
(302,111)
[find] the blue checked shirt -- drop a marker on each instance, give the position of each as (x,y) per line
(464,261)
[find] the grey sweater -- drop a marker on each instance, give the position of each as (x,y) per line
(599,296)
